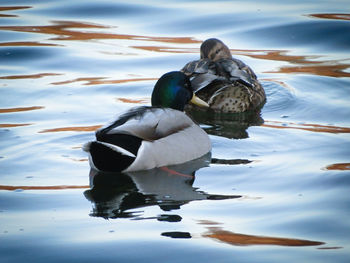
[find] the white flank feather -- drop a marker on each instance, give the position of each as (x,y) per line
(86,148)
(118,149)
(185,145)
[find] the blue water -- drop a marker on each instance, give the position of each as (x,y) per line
(276,186)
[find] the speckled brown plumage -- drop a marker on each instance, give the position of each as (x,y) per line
(227,84)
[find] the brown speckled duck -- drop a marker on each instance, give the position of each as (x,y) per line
(225,83)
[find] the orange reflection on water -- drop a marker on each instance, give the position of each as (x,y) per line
(11,125)
(235,239)
(167,49)
(332,16)
(276,55)
(136,101)
(79,160)
(327,69)
(208,222)
(26,44)
(303,64)
(62,30)
(10,8)
(54,187)
(101,80)
(338,166)
(75,129)
(32,76)
(307,127)
(21,109)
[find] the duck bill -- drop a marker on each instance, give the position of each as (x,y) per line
(199,102)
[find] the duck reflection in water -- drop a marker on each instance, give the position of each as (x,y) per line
(229,125)
(115,195)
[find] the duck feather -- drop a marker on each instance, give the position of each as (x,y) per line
(202,72)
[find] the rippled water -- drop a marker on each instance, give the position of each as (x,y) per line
(276,188)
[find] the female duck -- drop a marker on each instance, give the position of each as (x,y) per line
(147,137)
(225,83)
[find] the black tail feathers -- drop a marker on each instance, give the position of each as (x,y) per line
(106,158)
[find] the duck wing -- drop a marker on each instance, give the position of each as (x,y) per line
(127,124)
(204,71)
(237,71)
(146,123)
(201,73)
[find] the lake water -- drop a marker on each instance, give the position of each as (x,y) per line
(277,186)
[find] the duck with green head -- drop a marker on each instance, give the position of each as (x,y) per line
(225,83)
(152,136)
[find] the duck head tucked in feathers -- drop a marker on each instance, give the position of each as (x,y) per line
(215,49)
(147,137)
(227,84)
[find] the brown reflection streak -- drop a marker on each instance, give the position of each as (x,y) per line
(307,127)
(338,166)
(167,49)
(248,240)
(61,30)
(137,101)
(332,16)
(277,55)
(26,44)
(283,84)
(21,109)
(33,76)
(328,70)
(80,160)
(10,8)
(55,187)
(10,125)
(101,80)
(208,222)
(325,248)
(76,129)
(305,64)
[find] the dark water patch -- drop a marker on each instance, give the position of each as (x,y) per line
(13,55)
(233,23)
(99,10)
(323,35)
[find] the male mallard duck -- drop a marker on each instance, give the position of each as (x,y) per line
(226,83)
(147,137)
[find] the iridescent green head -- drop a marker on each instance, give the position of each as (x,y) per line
(174,90)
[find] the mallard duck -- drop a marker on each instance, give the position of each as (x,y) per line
(147,137)
(225,83)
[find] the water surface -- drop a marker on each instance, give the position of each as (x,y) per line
(276,186)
